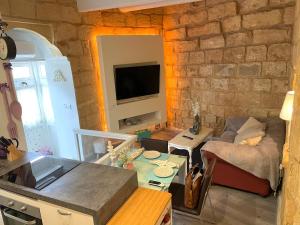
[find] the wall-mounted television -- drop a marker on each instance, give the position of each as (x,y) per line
(136,81)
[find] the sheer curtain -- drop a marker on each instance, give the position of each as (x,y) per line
(33,94)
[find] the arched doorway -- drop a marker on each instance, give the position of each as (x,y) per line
(44,86)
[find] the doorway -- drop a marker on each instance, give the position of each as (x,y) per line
(44,87)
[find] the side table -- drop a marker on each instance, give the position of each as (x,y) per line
(181,141)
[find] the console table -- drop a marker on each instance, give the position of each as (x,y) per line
(188,141)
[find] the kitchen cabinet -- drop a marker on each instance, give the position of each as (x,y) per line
(52,214)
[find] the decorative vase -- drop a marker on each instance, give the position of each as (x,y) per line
(196,125)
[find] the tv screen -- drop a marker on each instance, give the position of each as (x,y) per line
(136,81)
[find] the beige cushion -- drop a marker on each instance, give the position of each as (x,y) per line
(251,132)
(252,141)
(251,123)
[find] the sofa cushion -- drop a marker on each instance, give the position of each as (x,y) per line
(252,132)
(234,123)
(251,123)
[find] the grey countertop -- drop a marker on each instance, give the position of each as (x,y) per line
(92,189)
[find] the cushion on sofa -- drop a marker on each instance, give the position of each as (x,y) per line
(252,132)
(251,123)
(228,136)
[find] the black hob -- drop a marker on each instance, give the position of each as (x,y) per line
(40,172)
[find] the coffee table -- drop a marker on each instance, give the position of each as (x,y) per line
(180,141)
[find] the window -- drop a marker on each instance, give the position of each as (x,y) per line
(33,92)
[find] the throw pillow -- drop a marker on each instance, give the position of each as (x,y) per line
(251,123)
(252,141)
(251,132)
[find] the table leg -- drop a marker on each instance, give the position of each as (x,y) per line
(169,149)
(190,162)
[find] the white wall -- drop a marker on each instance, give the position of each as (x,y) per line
(130,49)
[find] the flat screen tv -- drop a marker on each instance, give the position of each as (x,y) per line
(136,81)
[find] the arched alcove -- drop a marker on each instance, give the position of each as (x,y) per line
(44,86)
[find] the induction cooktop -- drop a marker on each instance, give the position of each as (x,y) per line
(40,172)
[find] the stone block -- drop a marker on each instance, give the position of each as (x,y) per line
(280,86)
(210,3)
(205,30)
(64,32)
(236,111)
(214,56)
(256,53)
(262,20)
(262,85)
(179,71)
(170,21)
(92,18)
(201,83)
(182,58)
(195,18)
(185,46)
(210,118)
(274,69)
(240,84)
(280,2)
(192,71)
(279,52)
(4,6)
(219,111)
(143,20)
(225,70)
(258,113)
(113,19)
(85,63)
(156,20)
(289,15)
(205,70)
(272,100)
(247,99)
(207,97)
(213,42)
(196,57)
(70,14)
(249,69)
(222,10)
(232,24)
(252,5)
(270,36)
(85,32)
(48,11)
(220,84)
(238,39)
(177,34)
(23,8)
(234,55)
(74,48)
(224,98)
(183,83)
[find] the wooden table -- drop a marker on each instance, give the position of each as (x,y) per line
(181,142)
(144,207)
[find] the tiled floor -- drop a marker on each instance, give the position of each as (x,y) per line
(233,207)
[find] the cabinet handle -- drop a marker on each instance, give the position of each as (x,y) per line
(64,213)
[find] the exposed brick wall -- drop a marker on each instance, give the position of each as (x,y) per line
(231,56)
(291,194)
(72,35)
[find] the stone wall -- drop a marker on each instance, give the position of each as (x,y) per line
(74,35)
(291,197)
(233,56)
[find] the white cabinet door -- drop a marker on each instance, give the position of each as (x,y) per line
(54,215)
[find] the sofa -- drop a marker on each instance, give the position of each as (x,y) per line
(249,168)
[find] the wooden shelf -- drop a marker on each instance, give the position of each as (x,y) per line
(145,206)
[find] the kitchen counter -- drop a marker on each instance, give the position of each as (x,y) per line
(92,189)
